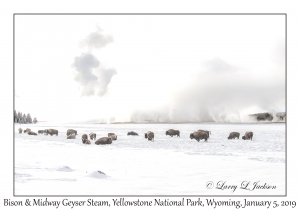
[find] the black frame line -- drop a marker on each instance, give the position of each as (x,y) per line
(193,14)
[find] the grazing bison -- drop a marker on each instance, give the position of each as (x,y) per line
(31,133)
(27,130)
(71,136)
(20,130)
(208,132)
(198,135)
(172,132)
(248,135)
(234,135)
(92,136)
(103,140)
(51,132)
(40,131)
(112,136)
(132,133)
(86,141)
(149,135)
(84,137)
(71,131)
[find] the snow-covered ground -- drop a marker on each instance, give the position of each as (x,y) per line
(54,165)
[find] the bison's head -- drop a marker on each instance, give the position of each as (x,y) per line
(243,137)
(167,133)
(191,135)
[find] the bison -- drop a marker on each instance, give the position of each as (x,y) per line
(27,130)
(112,136)
(208,132)
(86,141)
(103,140)
(92,136)
(20,130)
(248,135)
(40,131)
(71,131)
(234,135)
(84,137)
(51,132)
(172,132)
(149,135)
(71,136)
(132,133)
(198,135)
(31,133)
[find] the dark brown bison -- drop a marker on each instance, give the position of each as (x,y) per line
(86,141)
(172,132)
(132,133)
(92,136)
(51,132)
(103,140)
(112,136)
(40,131)
(20,130)
(31,133)
(149,135)
(234,135)
(208,132)
(71,131)
(71,136)
(27,130)
(84,137)
(248,135)
(198,135)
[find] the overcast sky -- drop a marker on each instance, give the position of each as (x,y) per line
(166,68)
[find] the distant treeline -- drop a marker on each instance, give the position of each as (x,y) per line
(23,118)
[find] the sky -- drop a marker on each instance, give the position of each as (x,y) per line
(161,68)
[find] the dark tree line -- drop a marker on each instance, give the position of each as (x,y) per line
(23,118)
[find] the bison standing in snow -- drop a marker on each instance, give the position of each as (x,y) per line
(208,132)
(172,132)
(149,135)
(92,136)
(71,131)
(234,135)
(248,135)
(198,135)
(51,132)
(40,131)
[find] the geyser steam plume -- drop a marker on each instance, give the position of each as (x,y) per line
(92,77)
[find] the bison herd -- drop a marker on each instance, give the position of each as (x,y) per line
(86,139)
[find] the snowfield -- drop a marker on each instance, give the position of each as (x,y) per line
(132,165)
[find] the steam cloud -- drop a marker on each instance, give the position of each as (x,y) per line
(92,77)
(221,93)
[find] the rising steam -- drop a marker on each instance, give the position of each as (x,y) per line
(92,77)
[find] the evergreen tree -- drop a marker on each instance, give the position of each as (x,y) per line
(28,118)
(24,118)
